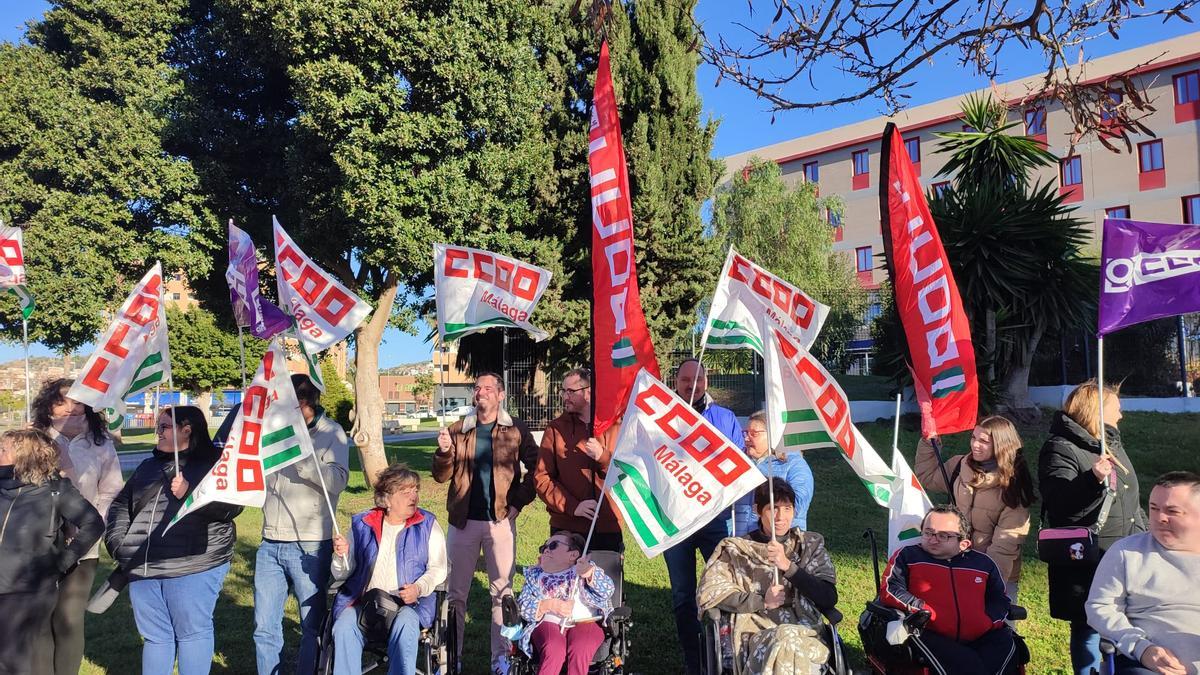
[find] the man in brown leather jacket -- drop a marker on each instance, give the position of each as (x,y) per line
(571,468)
(488,458)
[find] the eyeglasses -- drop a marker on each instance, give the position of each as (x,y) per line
(165,426)
(944,537)
(551,545)
(753,432)
(564,391)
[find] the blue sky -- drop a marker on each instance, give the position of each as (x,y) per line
(745,122)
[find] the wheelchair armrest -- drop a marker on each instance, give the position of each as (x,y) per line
(917,620)
(883,611)
(1107,648)
(712,614)
(619,614)
(833,616)
(1017,613)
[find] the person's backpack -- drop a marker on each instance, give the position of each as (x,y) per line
(377,610)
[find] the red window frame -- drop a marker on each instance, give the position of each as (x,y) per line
(860,180)
(1032,127)
(1073,191)
(1152,174)
(1186,92)
(1191,209)
(1119,212)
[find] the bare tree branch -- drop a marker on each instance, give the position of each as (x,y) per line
(852,36)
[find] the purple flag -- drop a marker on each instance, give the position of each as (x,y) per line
(1147,271)
(249,308)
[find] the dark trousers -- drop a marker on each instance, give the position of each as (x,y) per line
(59,649)
(1127,666)
(993,654)
(601,541)
(681,567)
(23,616)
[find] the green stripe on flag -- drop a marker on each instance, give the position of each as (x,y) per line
(807,438)
(947,382)
(717,340)
(153,378)
(457,330)
(647,496)
(910,533)
(802,415)
(25,298)
(281,457)
(638,524)
(719,324)
(277,436)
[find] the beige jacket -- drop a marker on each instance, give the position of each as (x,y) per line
(997,530)
(94,470)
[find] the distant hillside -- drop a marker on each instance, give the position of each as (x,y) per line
(409,368)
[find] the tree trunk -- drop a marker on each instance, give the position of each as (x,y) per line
(1016,382)
(990,343)
(203,401)
(367,431)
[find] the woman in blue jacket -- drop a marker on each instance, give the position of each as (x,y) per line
(789,466)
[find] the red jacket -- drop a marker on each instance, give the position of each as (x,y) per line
(964,595)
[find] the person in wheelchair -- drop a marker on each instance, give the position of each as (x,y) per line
(775,588)
(391,566)
(564,588)
(962,591)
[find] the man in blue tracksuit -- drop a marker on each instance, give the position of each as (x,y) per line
(681,558)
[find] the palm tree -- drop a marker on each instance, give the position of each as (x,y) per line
(1013,245)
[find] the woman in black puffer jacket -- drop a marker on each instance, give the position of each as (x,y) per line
(37,506)
(175,575)
(1072,478)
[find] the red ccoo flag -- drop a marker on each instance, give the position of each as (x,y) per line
(942,357)
(621,343)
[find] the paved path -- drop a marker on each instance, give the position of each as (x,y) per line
(130,460)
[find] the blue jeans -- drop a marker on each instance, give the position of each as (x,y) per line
(305,566)
(402,644)
(176,616)
(681,567)
(1085,648)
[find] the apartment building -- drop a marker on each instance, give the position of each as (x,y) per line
(1158,181)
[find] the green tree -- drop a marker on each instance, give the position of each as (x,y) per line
(1015,248)
(83,166)
(423,386)
(338,398)
(373,129)
(786,230)
(204,356)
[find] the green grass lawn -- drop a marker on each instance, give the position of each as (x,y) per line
(136,440)
(841,511)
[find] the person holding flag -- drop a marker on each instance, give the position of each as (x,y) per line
(790,466)
(691,384)
(1083,487)
(175,573)
(297,545)
(992,487)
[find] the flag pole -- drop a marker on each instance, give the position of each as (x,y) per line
(1100,394)
(242,348)
(325,491)
(442,386)
(896,424)
(174,425)
(25,341)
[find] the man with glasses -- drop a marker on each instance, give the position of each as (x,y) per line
(691,384)
(489,459)
(962,590)
(572,466)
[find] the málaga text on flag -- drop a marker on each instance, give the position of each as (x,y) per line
(325,310)
(476,290)
(807,408)
(907,507)
(672,471)
(132,356)
(745,292)
(939,337)
(268,434)
(620,339)
(1148,271)
(12,267)
(250,308)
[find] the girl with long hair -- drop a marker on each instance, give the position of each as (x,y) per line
(87,456)
(992,486)
(40,511)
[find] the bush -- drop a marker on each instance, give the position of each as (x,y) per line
(338,399)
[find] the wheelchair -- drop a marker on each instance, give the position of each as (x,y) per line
(884,658)
(613,653)
(436,648)
(713,656)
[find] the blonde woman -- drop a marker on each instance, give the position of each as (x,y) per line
(1074,479)
(992,488)
(36,505)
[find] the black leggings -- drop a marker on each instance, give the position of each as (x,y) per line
(59,649)
(22,617)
